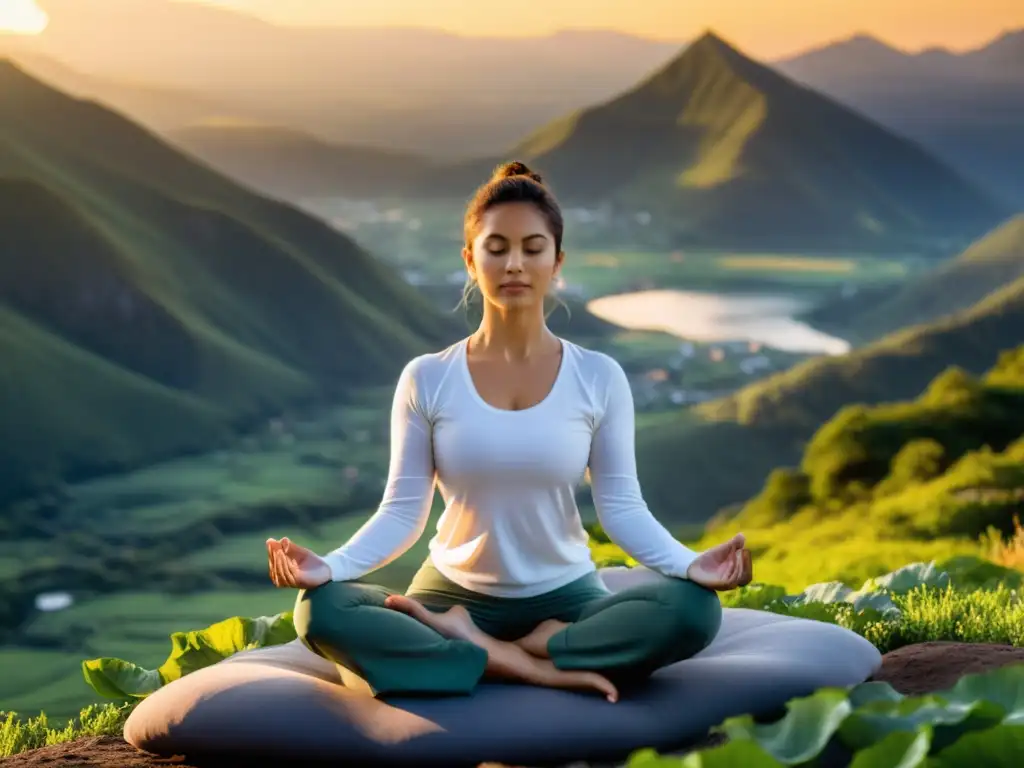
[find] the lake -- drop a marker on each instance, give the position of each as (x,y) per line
(699,316)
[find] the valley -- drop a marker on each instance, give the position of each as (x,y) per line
(205,303)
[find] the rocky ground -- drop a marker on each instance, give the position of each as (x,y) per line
(912,670)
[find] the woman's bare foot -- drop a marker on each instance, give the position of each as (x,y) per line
(505,660)
(455,622)
(536,643)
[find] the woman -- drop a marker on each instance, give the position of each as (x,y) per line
(507,421)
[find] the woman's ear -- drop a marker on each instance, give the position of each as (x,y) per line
(467,258)
(559,260)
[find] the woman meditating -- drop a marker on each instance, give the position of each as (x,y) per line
(507,422)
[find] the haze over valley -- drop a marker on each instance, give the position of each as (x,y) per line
(221,239)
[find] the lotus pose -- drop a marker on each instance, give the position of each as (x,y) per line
(506,422)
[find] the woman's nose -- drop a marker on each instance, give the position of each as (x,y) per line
(515,261)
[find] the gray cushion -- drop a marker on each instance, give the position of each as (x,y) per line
(285,702)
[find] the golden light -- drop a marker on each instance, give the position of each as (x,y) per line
(22,17)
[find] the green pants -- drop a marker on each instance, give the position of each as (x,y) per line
(625,636)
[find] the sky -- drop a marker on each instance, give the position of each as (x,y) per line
(765,28)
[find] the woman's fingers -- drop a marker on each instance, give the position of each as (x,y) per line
(280,572)
(734,570)
(271,561)
(275,567)
(742,571)
(294,571)
(285,571)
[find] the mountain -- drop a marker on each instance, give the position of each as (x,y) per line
(420,90)
(724,150)
(149,306)
(855,61)
(966,107)
(293,164)
(989,264)
(155,107)
(707,459)
(1003,57)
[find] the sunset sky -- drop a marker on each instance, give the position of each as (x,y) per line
(762,27)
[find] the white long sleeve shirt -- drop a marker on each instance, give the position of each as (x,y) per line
(510,527)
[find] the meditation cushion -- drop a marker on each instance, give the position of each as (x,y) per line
(286,703)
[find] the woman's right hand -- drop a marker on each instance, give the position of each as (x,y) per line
(292,565)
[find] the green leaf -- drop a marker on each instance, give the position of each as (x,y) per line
(117,679)
(1003,687)
(730,755)
(835,592)
(878,601)
(824,592)
(802,733)
(201,648)
(977,702)
(875,720)
(190,651)
(998,747)
(874,690)
(907,578)
(900,749)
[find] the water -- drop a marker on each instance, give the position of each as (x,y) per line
(709,317)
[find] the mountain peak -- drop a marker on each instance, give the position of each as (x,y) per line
(709,57)
(711,40)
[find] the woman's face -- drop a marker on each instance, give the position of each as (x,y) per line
(513,257)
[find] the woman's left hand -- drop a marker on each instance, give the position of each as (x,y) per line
(723,567)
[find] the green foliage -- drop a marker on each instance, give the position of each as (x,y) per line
(117,679)
(786,491)
(976,722)
(917,603)
(945,464)
(18,735)
(918,461)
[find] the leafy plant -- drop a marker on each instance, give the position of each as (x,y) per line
(979,721)
(118,679)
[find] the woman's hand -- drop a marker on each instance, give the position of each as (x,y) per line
(723,567)
(292,565)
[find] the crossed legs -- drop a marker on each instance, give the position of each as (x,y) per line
(400,645)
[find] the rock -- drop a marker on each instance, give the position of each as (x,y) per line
(911,670)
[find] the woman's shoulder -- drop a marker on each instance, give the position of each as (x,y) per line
(429,369)
(593,361)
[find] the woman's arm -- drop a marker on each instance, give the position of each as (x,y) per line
(402,515)
(620,505)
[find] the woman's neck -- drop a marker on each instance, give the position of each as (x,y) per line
(514,335)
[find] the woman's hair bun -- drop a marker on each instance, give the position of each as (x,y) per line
(515,168)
